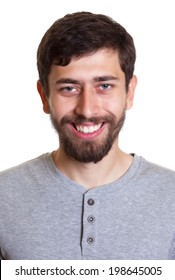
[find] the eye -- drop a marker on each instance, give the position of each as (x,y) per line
(104,87)
(68,90)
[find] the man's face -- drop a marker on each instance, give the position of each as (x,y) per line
(87,103)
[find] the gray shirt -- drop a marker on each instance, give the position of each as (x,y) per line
(45,215)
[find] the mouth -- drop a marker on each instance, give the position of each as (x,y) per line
(88,128)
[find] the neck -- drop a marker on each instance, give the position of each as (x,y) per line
(91,175)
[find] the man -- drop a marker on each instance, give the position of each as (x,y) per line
(88,199)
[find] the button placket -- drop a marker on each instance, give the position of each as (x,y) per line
(90,224)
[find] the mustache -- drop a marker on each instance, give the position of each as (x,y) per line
(81,119)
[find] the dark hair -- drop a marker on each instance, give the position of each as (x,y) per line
(80,34)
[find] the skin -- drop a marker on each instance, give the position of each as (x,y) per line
(84,94)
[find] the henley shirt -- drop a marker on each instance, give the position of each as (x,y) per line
(45,215)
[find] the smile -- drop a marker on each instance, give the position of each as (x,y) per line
(88,129)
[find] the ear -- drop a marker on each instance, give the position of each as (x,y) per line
(131,91)
(44,97)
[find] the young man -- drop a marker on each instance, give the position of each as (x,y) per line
(88,199)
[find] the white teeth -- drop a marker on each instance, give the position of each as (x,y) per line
(88,129)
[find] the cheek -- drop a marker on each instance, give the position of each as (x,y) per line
(115,106)
(60,107)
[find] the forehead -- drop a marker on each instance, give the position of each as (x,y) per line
(101,54)
(101,63)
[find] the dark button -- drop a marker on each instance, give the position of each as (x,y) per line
(91,219)
(90,240)
(90,201)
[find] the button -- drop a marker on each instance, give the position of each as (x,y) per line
(90,240)
(90,202)
(91,219)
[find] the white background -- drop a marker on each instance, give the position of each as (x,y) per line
(26,132)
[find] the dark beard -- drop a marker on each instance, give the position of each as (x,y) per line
(83,150)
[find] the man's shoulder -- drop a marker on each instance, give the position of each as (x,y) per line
(156,171)
(24,170)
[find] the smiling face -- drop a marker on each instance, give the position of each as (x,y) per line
(87,103)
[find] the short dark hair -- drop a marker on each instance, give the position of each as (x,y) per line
(83,33)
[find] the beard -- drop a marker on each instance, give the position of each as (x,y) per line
(87,151)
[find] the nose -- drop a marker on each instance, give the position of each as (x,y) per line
(88,104)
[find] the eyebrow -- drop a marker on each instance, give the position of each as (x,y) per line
(104,78)
(67,81)
(95,79)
